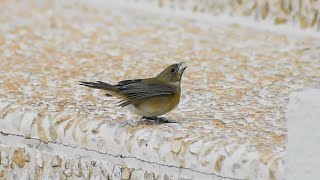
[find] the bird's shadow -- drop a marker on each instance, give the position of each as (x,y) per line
(149,121)
(157,120)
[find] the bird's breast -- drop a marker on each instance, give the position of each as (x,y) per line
(155,106)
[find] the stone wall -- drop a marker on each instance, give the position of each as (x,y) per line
(232,111)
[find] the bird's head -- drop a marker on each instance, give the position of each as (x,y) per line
(173,73)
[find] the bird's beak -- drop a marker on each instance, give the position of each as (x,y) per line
(182,67)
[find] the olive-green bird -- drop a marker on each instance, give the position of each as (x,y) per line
(151,97)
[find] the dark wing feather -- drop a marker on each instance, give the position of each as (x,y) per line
(125,82)
(137,89)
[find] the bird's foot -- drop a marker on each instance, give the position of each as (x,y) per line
(150,118)
(158,120)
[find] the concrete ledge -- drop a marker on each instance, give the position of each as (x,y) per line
(232,113)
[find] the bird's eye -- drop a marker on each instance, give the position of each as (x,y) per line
(173,70)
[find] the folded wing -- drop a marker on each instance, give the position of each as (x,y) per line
(137,90)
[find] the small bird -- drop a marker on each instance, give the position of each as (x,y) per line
(151,97)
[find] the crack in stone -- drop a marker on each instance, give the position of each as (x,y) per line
(112,155)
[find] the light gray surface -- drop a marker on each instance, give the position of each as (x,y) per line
(303,116)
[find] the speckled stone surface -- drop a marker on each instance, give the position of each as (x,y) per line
(232,111)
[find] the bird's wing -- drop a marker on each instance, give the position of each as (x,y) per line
(137,89)
(126,82)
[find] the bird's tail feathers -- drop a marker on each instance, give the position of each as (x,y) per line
(99,85)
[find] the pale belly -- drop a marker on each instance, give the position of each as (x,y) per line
(155,106)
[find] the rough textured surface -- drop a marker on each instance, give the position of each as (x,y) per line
(232,111)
